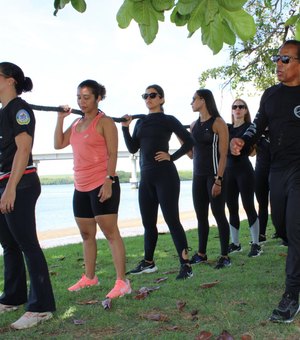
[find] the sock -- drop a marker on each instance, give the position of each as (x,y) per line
(254,230)
(234,235)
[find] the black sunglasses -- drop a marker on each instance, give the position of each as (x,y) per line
(152,95)
(234,107)
(285,59)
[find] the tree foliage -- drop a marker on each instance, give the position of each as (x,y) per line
(250,61)
(252,29)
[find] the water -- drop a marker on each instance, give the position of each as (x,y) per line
(54,207)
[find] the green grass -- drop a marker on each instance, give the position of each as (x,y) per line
(240,303)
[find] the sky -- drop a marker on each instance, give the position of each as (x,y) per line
(57,53)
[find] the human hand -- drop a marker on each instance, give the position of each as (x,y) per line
(105,191)
(162,156)
(128,120)
(66,110)
(236,145)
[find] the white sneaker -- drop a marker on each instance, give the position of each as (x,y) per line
(31,319)
(7,308)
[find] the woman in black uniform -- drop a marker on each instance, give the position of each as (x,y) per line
(240,180)
(159,184)
(19,190)
(261,172)
(209,155)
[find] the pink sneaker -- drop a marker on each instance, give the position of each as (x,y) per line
(7,308)
(120,289)
(83,283)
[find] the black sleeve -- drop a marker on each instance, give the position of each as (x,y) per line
(182,133)
(131,142)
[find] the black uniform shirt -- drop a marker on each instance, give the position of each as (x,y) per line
(280,111)
(16,117)
(152,134)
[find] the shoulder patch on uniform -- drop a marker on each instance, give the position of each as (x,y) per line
(23,117)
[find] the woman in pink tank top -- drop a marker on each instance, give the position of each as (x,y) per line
(94,140)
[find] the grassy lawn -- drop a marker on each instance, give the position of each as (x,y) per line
(240,300)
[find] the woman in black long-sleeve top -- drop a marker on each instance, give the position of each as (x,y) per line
(159,184)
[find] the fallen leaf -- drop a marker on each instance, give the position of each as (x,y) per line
(246,336)
(173,328)
(106,304)
(180,305)
(78,322)
(209,284)
(148,289)
(141,296)
(160,279)
(88,302)
(155,317)
(283,254)
(204,335)
(172,271)
(225,336)
(52,273)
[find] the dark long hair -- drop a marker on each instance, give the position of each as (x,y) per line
(209,102)
(22,83)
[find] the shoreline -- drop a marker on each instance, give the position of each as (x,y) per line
(129,227)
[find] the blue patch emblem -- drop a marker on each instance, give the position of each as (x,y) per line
(23,117)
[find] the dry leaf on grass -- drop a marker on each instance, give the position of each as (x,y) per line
(180,305)
(204,335)
(171,271)
(246,336)
(225,336)
(143,292)
(283,254)
(78,322)
(106,304)
(160,279)
(209,284)
(88,302)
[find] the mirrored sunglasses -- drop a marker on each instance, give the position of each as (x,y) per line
(285,59)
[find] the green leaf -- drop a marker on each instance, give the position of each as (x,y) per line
(79,5)
(212,35)
(292,20)
(185,7)
(149,32)
(163,5)
(229,36)
(240,22)
(197,17)
(178,19)
(297,31)
(60,4)
(124,16)
(211,11)
(232,5)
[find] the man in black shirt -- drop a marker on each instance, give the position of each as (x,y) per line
(280,111)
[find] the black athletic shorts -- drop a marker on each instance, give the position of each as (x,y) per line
(87,204)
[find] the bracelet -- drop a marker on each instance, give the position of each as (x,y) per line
(219,178)
(219,185)
(111,178)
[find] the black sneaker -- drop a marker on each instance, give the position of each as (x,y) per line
(143,267)
(286,311)
(255,250)
(185,272)
(223,262)
(233,248)
(196,258)
(262,238)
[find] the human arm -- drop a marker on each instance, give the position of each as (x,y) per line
(131,142)
(24,144)
(109,131)
(221,129)
(61,138)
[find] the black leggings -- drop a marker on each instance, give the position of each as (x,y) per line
(18,237)
(262,197)
(161,186)
(240,180)
(285,212)
(202,186)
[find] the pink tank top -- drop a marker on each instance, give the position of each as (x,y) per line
(90,156)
